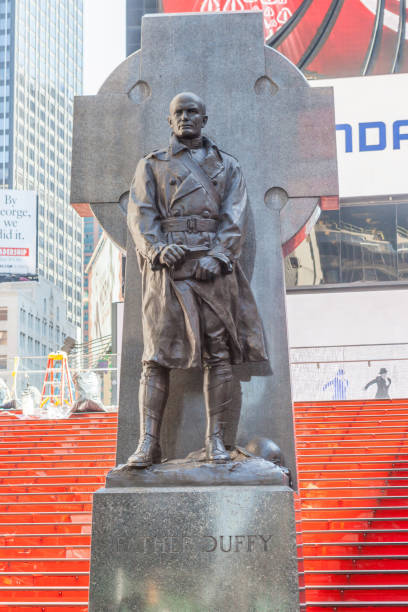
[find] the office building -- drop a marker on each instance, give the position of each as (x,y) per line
(40,72)
(105,273)
(92,233)
(135,9)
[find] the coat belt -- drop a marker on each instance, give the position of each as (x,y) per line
(192,225)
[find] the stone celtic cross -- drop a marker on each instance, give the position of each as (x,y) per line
(261,110)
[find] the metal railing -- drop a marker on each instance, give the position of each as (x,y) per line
(318,372)
(342,372)
(30,370)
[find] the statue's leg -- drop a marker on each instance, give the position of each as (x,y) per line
(217,383)
(153,394)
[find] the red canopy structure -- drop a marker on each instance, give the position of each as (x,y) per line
(326,38)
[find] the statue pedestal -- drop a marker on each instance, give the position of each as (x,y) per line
(194,549)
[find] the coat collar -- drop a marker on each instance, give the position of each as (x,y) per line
(212,163)
(175,146)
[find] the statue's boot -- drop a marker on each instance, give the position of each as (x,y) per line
(153,394)
(218,397)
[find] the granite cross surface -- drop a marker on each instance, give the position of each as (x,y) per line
(262,111)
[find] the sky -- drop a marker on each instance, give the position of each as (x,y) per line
(104,40)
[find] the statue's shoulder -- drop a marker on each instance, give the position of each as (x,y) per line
(161,154)
(227,157)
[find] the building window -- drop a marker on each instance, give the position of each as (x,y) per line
(3,337)
(357,244)
(3,313)
(3,362)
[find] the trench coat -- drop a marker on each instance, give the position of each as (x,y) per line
(163,187)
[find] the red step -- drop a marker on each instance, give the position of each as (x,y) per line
(352,511)
(48,473)
(43,593)
(71,551)
(346,606)
(353,517)
(357,578)
(45,539)
(355,535)
(46,517)
(71,565)
(49,607)
(44,579)
(7,529)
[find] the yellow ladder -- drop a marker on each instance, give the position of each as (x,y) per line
(58,387)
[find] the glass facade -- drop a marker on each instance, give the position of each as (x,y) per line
(360,243)
(135,9)
(6,102)
(41,45)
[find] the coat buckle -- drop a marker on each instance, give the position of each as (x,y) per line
(192,225)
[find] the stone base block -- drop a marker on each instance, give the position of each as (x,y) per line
(194,549)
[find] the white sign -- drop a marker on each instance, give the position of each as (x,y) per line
(18,232)
(372,134)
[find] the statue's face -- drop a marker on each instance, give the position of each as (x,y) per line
(187,117)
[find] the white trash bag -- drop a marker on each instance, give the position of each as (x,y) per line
(88,387)
(6,399)
(30,402)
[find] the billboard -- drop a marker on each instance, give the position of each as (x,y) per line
(18,233)
(372,134)
(323,38)
(276,12)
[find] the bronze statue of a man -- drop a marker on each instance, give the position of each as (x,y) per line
(186,214)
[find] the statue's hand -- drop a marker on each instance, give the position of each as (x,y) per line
(172,254)
(208,268)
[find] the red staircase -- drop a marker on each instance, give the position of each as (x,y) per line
(48,472)
(352,510)
(353,507)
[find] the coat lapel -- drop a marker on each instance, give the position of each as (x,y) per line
(212,165)
(188,185)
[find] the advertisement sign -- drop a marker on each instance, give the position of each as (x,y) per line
(372,134)
(18,233)
(341,39)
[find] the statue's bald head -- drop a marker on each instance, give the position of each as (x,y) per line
(187,96)
(187,115)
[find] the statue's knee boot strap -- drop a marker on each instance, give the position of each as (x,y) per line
(218,397)
(153,394)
